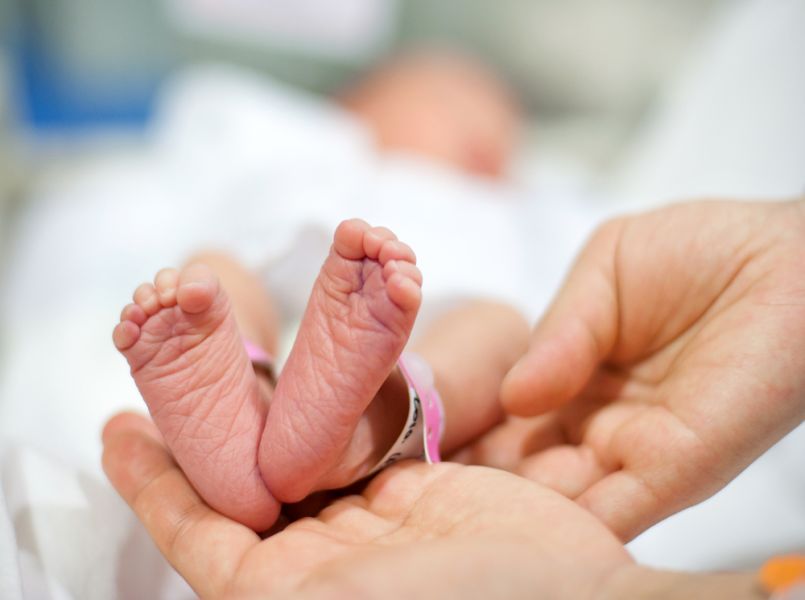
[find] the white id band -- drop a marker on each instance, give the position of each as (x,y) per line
(424,426)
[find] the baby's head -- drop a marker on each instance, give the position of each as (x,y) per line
(441,106)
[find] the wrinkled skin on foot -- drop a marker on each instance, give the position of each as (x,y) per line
(188,360)
(673,357)
(356,324)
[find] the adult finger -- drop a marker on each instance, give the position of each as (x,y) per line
(626,504)
(538,449)
(130,422)
(577,332)
(202,545)
(569,470)
(509,443)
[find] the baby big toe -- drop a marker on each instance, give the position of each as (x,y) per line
(197,289)
(348,240)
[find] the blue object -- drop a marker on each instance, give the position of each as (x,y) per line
(56,90)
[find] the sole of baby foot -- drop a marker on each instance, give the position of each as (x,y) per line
(319,433)
(187,358)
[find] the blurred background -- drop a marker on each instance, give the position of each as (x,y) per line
(76,75)
(113,113)
(84,76)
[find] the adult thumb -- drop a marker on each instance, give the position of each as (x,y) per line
(577,332)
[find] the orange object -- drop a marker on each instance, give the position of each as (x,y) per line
(781,572)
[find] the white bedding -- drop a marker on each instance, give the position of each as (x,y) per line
(246,165)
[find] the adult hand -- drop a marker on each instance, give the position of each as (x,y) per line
(444,531)
(673,356)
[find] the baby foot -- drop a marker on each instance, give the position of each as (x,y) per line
(188,360)
(357,322)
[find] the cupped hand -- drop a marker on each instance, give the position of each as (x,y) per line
(443,531)
(673,356)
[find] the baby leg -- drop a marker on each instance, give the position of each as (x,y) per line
(470,350)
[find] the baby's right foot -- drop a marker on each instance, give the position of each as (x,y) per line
(189,363)
(357,322)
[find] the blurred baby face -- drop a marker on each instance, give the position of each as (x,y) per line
(444,108)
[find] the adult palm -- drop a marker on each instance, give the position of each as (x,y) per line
(673,356)
(444,531)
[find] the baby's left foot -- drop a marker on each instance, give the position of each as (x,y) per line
(187,358)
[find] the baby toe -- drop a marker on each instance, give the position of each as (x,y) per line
(348,239)
(133,313)
(396,250)
(374,239)
(404,292)
(145,296)
(125,334)
(166,283)
(405,268)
